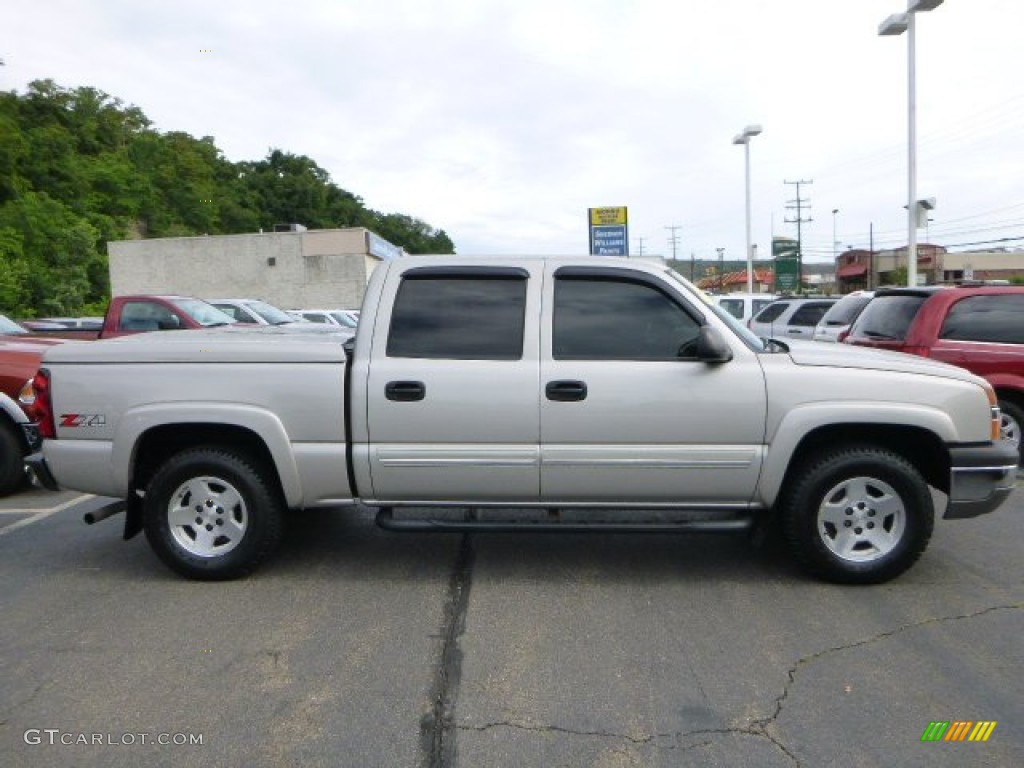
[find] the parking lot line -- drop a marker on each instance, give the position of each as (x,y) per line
(39,514)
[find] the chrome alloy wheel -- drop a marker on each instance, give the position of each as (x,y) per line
(207,516)
(1009,428)
(861,519)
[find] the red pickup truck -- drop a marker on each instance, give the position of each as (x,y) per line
(136,314)
(19,361)
(980,328)
(21,351)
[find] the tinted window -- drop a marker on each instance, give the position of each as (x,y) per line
(462,318)
(733,306)
(986,318)
(845,311)
(771,312)
(888,317)
(607,319)
(810,313)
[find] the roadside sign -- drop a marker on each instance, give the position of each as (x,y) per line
(609,231)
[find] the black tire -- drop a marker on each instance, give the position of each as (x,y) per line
(238,515)
(857,515)
(12,460)
(1012,425)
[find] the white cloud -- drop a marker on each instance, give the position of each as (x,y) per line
(501,122)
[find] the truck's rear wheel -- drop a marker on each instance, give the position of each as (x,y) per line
(12,464)
(210,515)
(857,515)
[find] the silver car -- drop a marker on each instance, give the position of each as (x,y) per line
(794,318)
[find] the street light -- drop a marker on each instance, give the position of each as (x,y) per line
(834,241)
(897,24)
(744,138)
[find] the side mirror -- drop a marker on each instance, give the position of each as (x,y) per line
(711,346)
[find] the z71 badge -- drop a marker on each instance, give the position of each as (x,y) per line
(83,420)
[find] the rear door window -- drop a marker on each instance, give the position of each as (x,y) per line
(991,318)
(458,318)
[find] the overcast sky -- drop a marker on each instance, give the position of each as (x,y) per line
(502,122)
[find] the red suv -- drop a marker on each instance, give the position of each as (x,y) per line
(980,328)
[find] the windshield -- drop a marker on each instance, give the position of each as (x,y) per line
(270,313)
(204,314)
(845,311)
(701,298)
(10,327)
(343,319)
(888,317)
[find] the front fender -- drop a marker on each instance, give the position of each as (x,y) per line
(265,424)
(802,420)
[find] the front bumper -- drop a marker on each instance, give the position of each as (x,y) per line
(981,478)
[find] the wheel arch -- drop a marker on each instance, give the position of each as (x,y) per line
(155,445)
(921,447)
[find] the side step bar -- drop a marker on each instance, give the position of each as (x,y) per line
(387,521)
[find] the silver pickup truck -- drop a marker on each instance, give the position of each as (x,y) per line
(578,386)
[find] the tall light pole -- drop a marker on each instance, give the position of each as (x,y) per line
(834,241)
(897,24)
(744,138)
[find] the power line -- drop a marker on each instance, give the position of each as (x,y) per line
(798,204)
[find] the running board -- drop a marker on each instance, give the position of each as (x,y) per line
(387,521)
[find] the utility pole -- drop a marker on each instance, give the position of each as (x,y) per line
(674,239)
(799,204)
(721,269)
(691,266)
(640,240)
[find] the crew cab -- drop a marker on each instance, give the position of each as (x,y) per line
(504,383)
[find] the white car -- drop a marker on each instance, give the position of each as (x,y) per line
(841,316)
(253,311)
(341,317)
(743,306)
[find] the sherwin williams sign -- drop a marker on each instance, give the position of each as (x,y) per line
(609,231)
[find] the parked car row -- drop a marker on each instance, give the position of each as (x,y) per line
(977,327)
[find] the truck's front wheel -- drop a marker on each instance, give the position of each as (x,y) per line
(857,515)
(210,515)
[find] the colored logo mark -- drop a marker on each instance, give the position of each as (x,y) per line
(958,730)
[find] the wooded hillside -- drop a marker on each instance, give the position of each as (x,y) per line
(78,168)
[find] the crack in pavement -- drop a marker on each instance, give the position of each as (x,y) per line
(760,726)
(650,739)
(555,729)
(437,728)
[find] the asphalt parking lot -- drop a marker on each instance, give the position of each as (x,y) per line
(357,647)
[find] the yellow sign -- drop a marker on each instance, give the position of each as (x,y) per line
(607,216)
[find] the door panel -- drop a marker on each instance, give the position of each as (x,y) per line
(668,430)
(445,422)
